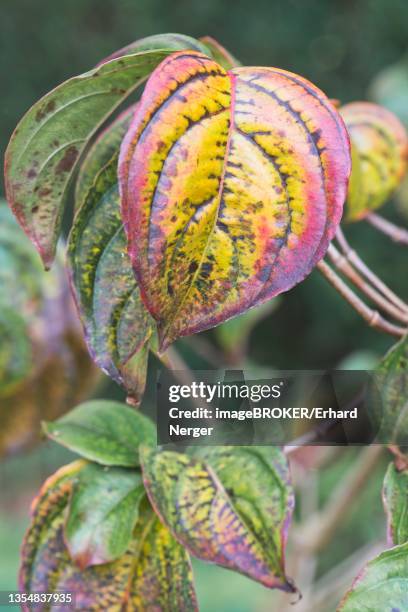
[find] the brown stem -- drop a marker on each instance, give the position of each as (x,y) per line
(359,264)
(317,532)
(342,264)
(372,317)
(397,234)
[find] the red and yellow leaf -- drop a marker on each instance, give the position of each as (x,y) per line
(232,185)
(379,146)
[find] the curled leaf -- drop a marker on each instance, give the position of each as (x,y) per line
(175,42)
(47,143)
(233,510)
(232,185)
(103,431)
(154,574)
(382,585)
(100,153)
(395,496)
(379,147)
(118,328)
(103,511)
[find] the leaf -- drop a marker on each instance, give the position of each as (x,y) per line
(102,514)
(220,53)
(44,364)
(153,575)
(16,357)
(382,585)
(48,141)
(389,404)
(232,185)
(395,496)
(163,578)
(103,431)
(118,328)
(233,510)
(175,42)
(101,152)
(379,156)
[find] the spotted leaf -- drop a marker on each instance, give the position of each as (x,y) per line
(48,141)
(233,509)
(395,496)
(100,153)
(232,185)
(379,147)
(382,584)
(154,574)
(103,431)
(118,328)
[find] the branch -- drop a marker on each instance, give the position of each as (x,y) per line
(342,264)
(317,532)
(359,264)
(397,234)
(372,317)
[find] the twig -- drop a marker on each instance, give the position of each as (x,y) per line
(373,317)
(397,234)
(315,534)
(311,437)
(174,362)
(342,264)
(359,264)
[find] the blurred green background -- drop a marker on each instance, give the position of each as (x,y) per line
(340,45)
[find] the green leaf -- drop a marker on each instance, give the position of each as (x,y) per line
(101,152)
(16,355)
(390,401)
(48,141)
(233,510)
(117,325)
(382,585)
(175,42)
(153,574)
(395,496)
(102,514)
(103,431)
